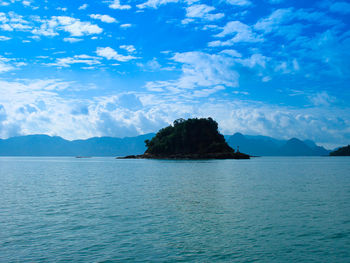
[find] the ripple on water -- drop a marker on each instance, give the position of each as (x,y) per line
(264,210)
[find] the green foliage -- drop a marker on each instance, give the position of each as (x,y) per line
(192,136)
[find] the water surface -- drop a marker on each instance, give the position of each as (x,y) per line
(273,209)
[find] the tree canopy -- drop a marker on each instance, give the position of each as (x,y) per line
(192,136)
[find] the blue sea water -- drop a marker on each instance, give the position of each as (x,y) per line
(269,209)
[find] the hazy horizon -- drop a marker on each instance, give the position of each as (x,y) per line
(77,69)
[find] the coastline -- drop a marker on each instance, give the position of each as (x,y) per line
(189,156)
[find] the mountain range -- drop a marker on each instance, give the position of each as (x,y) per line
(267,146)
(44,145)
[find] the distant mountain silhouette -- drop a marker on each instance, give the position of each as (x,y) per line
(267,146)
(295,147)
(255,145)
(44,145)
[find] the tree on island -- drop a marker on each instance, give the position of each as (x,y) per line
(343,151)
(190,139)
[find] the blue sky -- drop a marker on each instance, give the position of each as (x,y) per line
(79,69)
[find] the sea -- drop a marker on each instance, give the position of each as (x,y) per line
(267,209)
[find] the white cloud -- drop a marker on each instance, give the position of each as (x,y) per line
(340,7)
(9,64)
(322,99)
(75,27)
(187,21)
(29,90)
(115,4)
(266,79)
(206,92)
(104,18)
(273,21)
(201,11)
(210,27)
(239,2)
(3,38)
(152,65)
(231,52)
(235,27)
(26,3)
(242,33)
(31,106)
(34,37)
(296,66)
(282,67)
(129,48)
(289,22)
(206,72)
(64,9)
(109,53)
(279,122)
(83,7)
(290,66)
(72,39)
(329,50)
(125,25)
(253,61)
(200,71)
(155,3)
(4,67)
(156,86)
(77,59)
(276,1)
(40,106)
(13,22)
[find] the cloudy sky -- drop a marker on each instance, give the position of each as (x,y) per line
(79,69)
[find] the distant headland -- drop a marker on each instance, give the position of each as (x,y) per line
(189,139)
(343,151)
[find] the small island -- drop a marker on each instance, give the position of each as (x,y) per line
(343,151)
(189,139)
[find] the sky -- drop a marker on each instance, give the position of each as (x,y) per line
(79,69)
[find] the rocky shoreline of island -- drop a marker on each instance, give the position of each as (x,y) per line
(189,156)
